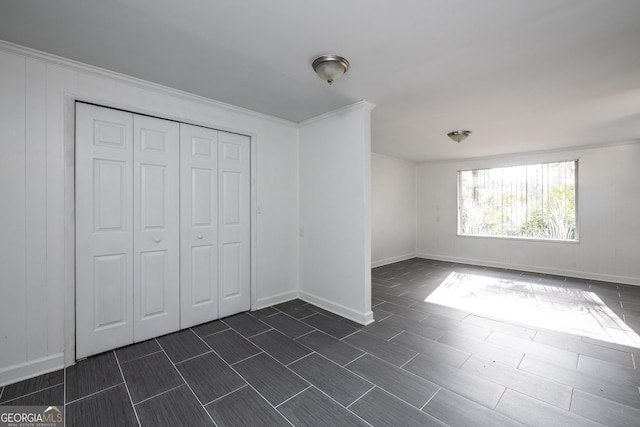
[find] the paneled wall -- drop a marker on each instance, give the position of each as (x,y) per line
(37,94)
(393,210)
(608,217)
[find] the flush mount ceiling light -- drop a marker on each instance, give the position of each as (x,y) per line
(459,135)
(330,67)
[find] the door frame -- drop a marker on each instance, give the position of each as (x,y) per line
(70,200)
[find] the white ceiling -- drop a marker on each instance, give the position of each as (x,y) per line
(525,75)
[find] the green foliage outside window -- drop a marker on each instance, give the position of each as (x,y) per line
(532,201)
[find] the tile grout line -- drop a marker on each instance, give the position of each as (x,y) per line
(226,394)
(292,397)
(243,360)
(175,366)
(430,399)
(126,386)
(405,363)
(244,379)
(30,393)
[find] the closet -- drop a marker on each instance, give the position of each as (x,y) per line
(162,227)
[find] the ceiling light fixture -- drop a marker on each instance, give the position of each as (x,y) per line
(459,135)
(330,67)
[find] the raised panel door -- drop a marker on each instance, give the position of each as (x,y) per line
(199,225)
(104,227)
(156,227)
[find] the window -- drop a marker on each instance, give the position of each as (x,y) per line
(531,201)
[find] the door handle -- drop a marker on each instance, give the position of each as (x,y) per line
(157,240)
(200,236)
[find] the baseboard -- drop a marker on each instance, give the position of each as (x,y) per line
(634,281)
(340,310)
(30,369)
(382,262)
(275,299)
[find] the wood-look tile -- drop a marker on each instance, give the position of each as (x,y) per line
(280,347)
(532,385)
(150,375)
(210,328)
(391,352)
(209,377)
(532,412)
(331,378)
(379,314)
(134,351)
(402,384)
(270,378)
(413,326)
(330,347)
(324,312)
(455,410)
(559,356)
(182,345)
(604,411)
(402,311)
(457,380)
(246,325)
(286,324)
(245,407)
(329,326)
(432,350)
(92,375)
(381,330)
(380,408)
(107,408)
(178,407)
(31,385)
(49,396)
(294,309)
(505,327)
(231,346)
(311,408)
(486,350)
(579,346)
(264,312)
(394,299)
(387,289)
(436,325)
(430,308)
(624,393)
(609,371)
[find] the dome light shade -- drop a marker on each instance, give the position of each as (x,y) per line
(330,67)
(459,135)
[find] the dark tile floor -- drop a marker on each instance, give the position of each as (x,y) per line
(452,345)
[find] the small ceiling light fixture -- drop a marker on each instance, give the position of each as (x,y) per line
(330,67)
(459,135)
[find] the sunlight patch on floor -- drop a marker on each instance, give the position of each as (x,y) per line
(572,311)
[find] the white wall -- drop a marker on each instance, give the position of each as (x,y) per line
(335,209)
(393,210)
(37,94)
(608,218)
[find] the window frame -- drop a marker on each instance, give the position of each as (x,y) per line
(459,233)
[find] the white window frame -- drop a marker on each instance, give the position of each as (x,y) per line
(459,232)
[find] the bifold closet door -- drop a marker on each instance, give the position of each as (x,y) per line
(127,228)
(234,230)
(199,225)
(156,237)
(104,229)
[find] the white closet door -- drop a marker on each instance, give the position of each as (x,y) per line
(104,216)
(156,236)
(234,265)
(199,225)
